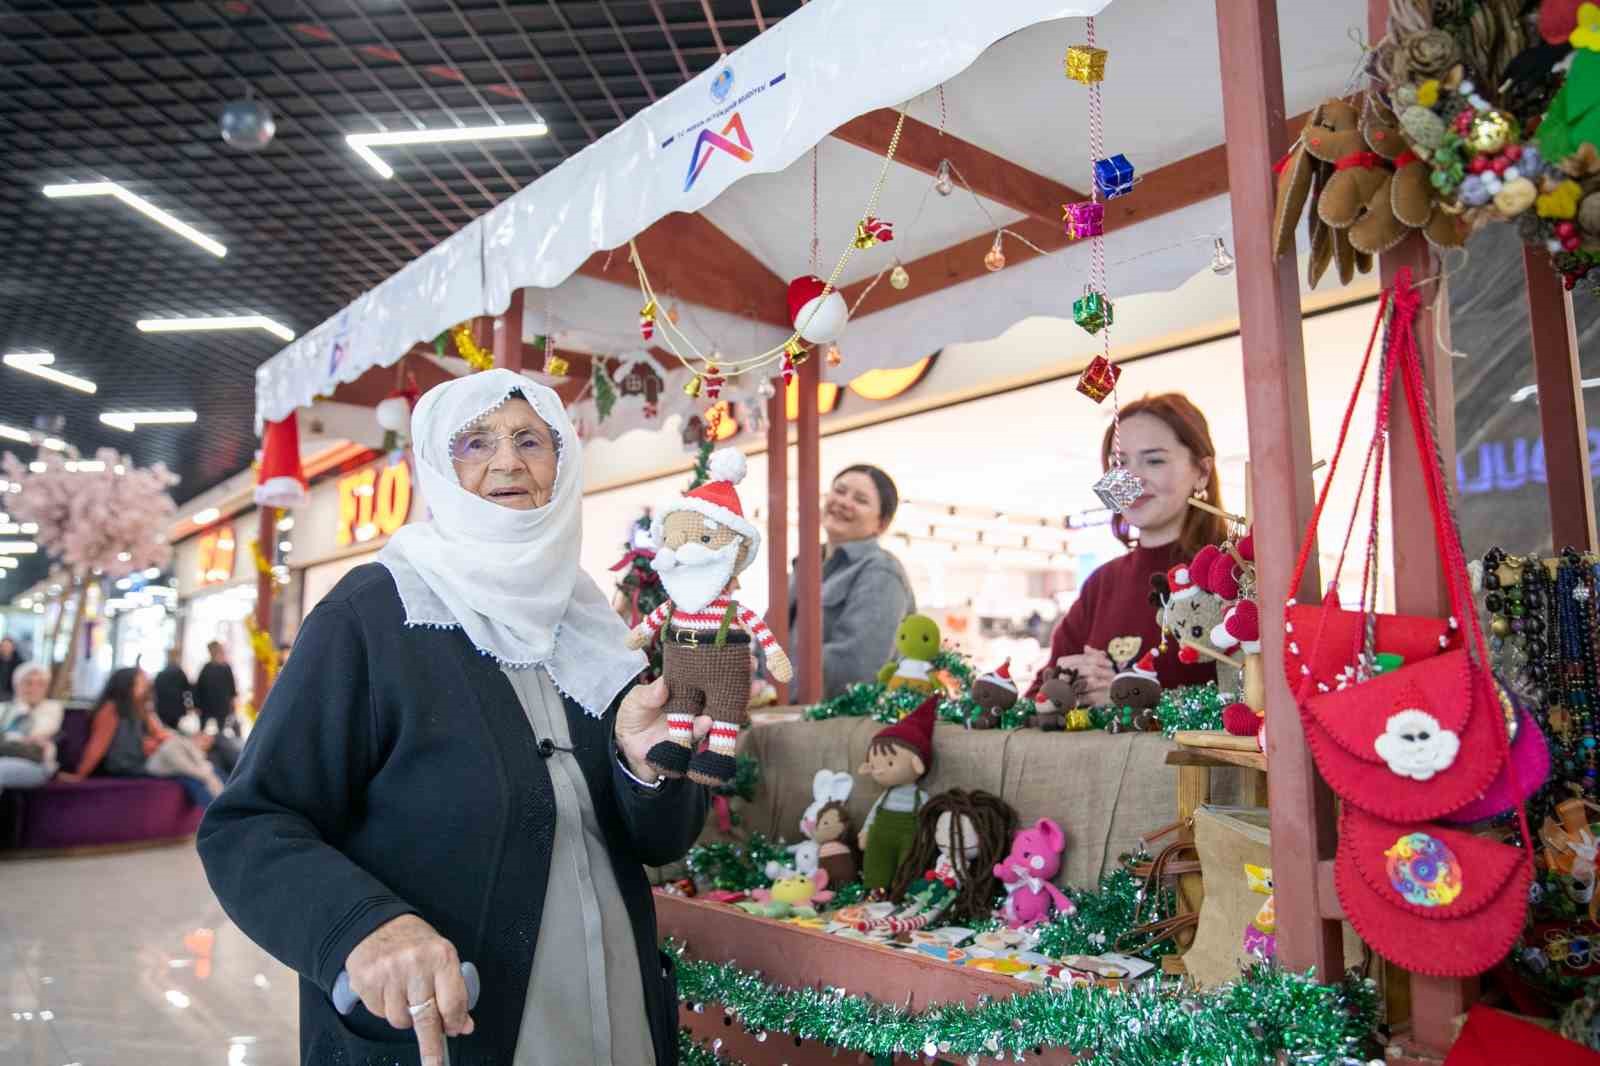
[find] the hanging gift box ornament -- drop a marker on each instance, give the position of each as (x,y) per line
(647,320)
(1118,488)
(1086,63)
(1113,176)
(1092,311)
(1099,378)
(556,366)
(1084,219)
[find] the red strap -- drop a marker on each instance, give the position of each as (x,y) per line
(1364,160)
(1405,159)
(1283,164)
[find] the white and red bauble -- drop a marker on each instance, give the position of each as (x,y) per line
(394,413)
(819,318)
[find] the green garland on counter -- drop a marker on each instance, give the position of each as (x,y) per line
(692,1052)
(737,867)
(1265,1013)
(1193,707)
(1103,916)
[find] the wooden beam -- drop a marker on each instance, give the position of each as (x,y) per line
(808,571)
(1562,420)
(508,347)
(379,381)
(1419,586)
(1189,181)
(690,258)
(778,522)
(1278,421)
(923,147)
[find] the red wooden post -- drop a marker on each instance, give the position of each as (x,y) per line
(266,540)
(508,347)
(778,521)
(1562,421)
(808,572)
(1303,831)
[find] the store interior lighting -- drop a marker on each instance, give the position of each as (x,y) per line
(128,421)
(205,517)
(18,547)
(39,365)
(149,210)
(212,322)
(362,144)
(21,436)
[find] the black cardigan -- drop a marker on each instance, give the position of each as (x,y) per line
(393,771)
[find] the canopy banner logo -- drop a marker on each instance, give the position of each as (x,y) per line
(732,139)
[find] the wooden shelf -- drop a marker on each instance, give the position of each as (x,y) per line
(793,955)
(1250,760)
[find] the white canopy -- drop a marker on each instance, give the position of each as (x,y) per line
(832,61)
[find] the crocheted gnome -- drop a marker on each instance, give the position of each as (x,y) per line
(703,542)
(898,757)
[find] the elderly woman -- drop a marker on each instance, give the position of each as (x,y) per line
(448,770)
(28,727)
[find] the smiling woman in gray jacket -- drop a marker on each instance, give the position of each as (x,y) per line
(865,591)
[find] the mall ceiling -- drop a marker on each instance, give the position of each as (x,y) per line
(132,93)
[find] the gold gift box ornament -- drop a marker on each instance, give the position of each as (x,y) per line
(1086,63)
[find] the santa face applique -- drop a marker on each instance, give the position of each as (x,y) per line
(1415,745)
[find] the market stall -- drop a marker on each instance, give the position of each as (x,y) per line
(610,243)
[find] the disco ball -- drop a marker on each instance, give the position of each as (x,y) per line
(247,125)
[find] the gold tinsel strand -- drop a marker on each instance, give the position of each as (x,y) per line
(476,357)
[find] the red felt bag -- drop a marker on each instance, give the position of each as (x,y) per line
(1433,899)
(1426,738)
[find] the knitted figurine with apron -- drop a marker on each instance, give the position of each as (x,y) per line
(898,757)
(703,542)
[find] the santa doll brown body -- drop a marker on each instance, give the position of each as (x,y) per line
(703,542)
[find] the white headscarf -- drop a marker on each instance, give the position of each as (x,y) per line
(510,579)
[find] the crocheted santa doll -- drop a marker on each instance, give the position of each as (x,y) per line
(703,542)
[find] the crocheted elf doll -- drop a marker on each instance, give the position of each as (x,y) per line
(897,758)
(703,542)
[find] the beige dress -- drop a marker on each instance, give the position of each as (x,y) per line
(585,997)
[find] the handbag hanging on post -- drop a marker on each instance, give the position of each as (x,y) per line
(1406,732)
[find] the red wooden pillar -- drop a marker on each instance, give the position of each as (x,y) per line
(778,520)
(808,572)
(267,540)
(1303,829)
(508,348)
(1562,421)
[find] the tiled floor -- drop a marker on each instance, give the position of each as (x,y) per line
(127,960)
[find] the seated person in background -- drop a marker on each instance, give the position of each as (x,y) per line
(1166,441)
(865,591)
(126,739)
(28,726)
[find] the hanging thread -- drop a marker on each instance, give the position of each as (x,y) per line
(1097,268)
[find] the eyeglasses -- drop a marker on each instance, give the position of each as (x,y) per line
(476,447)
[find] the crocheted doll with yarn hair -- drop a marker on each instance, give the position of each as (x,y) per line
(703,542)
(949,874)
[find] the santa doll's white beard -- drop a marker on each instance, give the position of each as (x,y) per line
(694,575)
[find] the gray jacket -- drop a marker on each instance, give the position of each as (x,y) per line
(865,594)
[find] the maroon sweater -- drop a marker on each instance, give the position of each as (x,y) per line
(1115,602)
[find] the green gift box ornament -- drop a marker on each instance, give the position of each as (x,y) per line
(1092,311)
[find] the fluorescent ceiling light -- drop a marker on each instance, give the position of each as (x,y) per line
(18,547)
(85,466)
(30,528)
(36,467)
(205,517)
(38,364)
(130,420)
(8,563)
(363,143)
(139,204)
(55,444)
(21,436)
(9,529)
(186,325)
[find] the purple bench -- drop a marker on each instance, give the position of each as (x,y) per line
(101,810)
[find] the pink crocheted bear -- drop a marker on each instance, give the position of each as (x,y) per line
(1035,858)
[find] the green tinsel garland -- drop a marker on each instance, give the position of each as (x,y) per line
(1251,1021)
(736,867)
(1193,707)
(692,1052)
(1103,916)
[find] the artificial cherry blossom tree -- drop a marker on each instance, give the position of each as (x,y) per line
(100,516)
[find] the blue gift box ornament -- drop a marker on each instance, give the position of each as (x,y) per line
(1113,177)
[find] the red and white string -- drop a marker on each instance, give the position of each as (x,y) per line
(1097,267)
